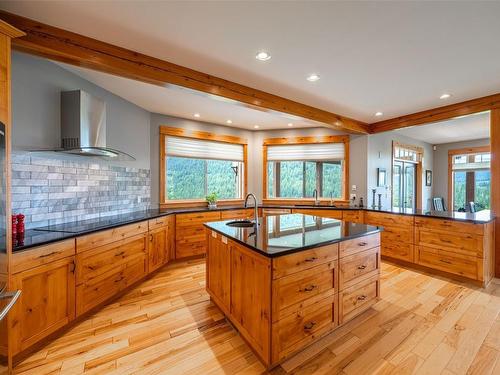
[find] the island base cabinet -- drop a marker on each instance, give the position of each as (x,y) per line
(47,302)
(358,298)
(300,329)
(219,270)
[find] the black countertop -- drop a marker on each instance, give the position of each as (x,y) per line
(53,233)
(278,235)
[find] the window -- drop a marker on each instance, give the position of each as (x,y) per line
(294,170)
(470,178)
(194,166)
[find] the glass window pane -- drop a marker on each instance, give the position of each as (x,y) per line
(185,178)
(291,179)
(270,179)
(222,179)
(332,179)
(486,157)
(482,184)
(310,167)
(458,190)
(460,159)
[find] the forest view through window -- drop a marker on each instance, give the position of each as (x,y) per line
(195,168)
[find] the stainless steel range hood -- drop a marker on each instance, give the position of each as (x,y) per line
(83,126)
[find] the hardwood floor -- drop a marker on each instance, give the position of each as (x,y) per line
(167,325)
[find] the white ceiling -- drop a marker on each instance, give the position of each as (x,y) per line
(459,129)
(394,57)
(180,102)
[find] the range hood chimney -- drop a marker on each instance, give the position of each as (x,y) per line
(83,126)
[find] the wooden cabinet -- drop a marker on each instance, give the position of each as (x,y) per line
(47,302)
(245,213)
(106,270)
(358,298)
(358,267)
(219,270)
(321,212)
(160,242)
(354,216)
(190,233)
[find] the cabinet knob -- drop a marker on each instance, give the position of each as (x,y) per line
(311,259)
(361,298)
(309,288)
(362,244)
(309,326)
(362,267)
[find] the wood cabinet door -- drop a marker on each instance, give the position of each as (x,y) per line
(219,264)
(251,298)
(47,302)
(158,248)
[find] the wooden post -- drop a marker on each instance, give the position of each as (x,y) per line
(495,180)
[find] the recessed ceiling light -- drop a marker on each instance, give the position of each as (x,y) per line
(256,126)
(229,122)
(263,56)
(313,77)
(290,124)
(445,96)
(378,114)
(197,115)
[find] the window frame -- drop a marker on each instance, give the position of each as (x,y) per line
(462,151)
(166,131)
(305,140)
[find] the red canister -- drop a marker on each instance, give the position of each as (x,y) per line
(14,225)
(20,223)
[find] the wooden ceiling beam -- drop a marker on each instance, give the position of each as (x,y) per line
(71,48)
(447,112)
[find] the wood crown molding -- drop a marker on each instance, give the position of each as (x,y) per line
(306,140)
(447,112)
(72,48)
(9,30)
(469,150)
(196,134)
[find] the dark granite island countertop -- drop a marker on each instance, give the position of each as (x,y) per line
(278,235)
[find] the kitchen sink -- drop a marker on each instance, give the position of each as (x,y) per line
(241,223)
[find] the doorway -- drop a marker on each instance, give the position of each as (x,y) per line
(404,182)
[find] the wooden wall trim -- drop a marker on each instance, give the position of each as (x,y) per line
(76,49)
(306,140)
(196,134)
(495,180)
(438,114)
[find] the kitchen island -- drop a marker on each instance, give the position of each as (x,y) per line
(292,279)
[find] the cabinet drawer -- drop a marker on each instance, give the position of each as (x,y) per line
(354,216)
(237,214)
(183,250)
(190,233)
(358,267)
(397,250)
(449,225)
(332,214)
(358,298)
(158,222)
(288,264)
(458,264)
(356,245)
(296,331)
(291,290)
(97,290)
(276,211)
(93,263)
(463,243)
(388,220)
(397,234)
(91,241)
(41,255)
(198,218)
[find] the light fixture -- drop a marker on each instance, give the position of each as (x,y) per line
(229,122)
(290,124)
(256,126)
(263,56)
(445,96)
(313,77)
(197,115)
(378,114)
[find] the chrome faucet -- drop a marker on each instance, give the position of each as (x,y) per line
(316,200)
(256,207)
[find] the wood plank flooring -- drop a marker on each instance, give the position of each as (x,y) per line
(167,325)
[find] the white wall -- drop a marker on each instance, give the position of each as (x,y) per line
(441,164)
(380,156)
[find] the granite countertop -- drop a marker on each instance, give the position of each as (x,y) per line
(278,235)
(53,233)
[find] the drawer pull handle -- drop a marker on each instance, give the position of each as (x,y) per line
(362,267)
(120,254)
(49,254)
(362,244)
(361,298)
(445,261)
(120,279)
(311,259)
(309,326)
(309,288)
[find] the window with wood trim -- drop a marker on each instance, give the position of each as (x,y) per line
(469,178)
(195,164)
(297,167)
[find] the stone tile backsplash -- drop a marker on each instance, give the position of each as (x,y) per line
(52,189)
